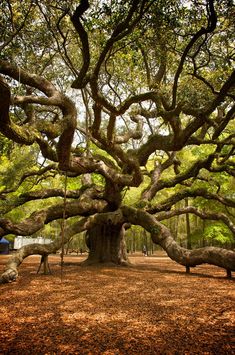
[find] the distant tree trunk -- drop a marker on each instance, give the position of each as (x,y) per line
(133,241)
(106,244)
(68,246)
(176,220)
(145,241)
(203,236)
(151,247)
(188,230)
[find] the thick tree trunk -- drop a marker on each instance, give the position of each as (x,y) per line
(106,244)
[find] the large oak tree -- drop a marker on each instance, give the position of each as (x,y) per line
(114,95)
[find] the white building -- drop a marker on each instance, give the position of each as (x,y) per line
(21,241)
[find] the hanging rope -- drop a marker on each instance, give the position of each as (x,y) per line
(87,120)
(17,89)
(63,226)
(18,86)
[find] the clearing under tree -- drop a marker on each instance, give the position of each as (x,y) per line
(128,109)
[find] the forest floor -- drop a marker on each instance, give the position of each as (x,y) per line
(153,307)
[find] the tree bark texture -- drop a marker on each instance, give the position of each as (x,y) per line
(106,244)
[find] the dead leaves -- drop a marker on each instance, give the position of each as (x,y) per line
(151,308)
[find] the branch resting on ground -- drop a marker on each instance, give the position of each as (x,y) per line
(160,235)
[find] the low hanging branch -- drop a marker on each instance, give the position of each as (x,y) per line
(204,215)
(181,195)
(159,233)
(87,204)
(189,258)
(11,269)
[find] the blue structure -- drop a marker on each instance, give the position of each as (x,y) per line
(4,246)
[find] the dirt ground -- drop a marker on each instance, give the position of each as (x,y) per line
(153,307)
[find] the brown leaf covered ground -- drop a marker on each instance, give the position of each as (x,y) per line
(152,307)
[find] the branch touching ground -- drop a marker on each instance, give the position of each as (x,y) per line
(11,269)
(160,235)
(190,258)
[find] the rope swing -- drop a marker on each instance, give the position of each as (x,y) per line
(63,225)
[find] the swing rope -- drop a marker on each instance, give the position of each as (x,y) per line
(63,226)
(17,89)
(18,86)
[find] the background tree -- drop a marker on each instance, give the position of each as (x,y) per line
(126,97)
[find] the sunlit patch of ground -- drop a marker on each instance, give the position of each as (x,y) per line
(153,307)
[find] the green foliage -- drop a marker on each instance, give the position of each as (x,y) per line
(141,204)
(218,232)
(6,146)
(13,167)
(10,238)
